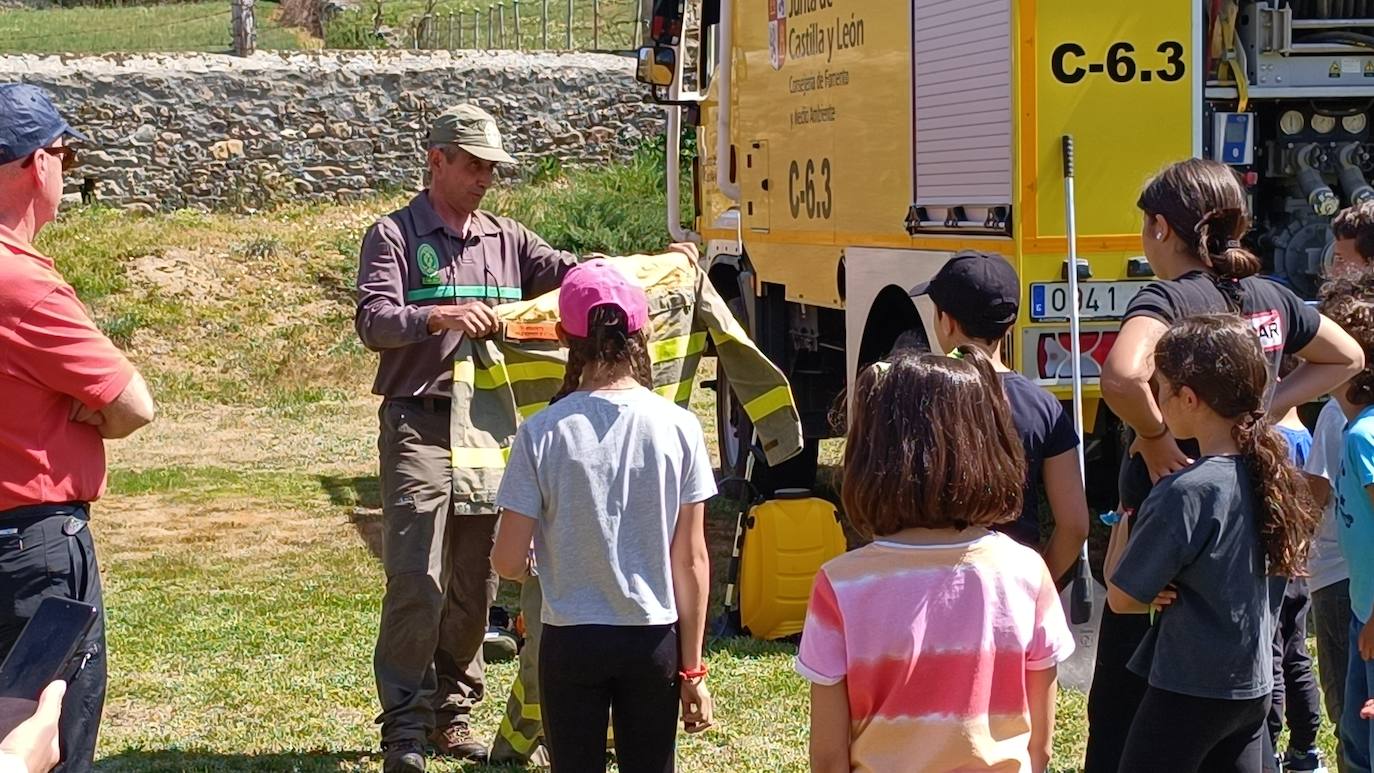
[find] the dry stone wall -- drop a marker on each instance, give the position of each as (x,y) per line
(212,131)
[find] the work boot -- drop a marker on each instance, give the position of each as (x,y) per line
(403,757)
(1311,761)
(456,741)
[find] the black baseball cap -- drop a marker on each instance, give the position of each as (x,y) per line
(978,289)
(29,121)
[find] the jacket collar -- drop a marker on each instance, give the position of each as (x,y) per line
(427,221)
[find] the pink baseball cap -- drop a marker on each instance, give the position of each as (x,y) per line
(599,283)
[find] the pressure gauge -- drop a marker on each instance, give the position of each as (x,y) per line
(1292,122)
(1355,123)
(1323,124)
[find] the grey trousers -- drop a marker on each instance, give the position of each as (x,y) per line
(439,580)
(1331,613)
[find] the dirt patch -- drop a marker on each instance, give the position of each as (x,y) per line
(233,530)
(179,272)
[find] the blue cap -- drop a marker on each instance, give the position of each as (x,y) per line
(28,121)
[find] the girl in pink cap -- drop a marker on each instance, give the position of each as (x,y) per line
(610,482)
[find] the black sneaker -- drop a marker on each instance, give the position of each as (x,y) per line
(403,757)
(1311,761)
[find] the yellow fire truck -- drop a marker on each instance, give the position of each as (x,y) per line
(846,148)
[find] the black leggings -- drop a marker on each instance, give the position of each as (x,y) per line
(589,674)
(1116,691)
(1180,734)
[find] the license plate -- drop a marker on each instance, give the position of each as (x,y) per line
(1096,300)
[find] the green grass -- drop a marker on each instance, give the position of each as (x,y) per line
(613,19)
(202,26)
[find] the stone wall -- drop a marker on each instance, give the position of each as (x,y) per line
(212,131)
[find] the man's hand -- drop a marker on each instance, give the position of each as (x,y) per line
(686,248)
(474,319)
(80,413)
(1366,641)
(1162,455)
(35,740)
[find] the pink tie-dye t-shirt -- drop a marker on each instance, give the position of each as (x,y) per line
(933,644)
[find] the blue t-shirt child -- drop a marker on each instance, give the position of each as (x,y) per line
(1355,514)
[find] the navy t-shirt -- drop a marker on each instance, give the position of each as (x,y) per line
(1281,321)
(1046,431)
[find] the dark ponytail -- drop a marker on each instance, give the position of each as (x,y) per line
(1218,356)
(1205,204)
(607,344)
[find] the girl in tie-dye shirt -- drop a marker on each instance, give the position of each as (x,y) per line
(934,648)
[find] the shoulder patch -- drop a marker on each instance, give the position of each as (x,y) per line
(427,259)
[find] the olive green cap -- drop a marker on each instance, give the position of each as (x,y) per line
(472,129)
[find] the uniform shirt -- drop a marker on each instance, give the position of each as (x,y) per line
(1325,564)
(1046,431)
(933,643)
(1198,532)
(50,354)
(411,261)
(1354,513)
(1283,323)
(604,474)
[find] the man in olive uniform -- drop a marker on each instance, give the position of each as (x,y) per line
(429,274)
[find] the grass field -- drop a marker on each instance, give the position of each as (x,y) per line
(197,26)
(239,537)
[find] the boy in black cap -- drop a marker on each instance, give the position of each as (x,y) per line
(976,299)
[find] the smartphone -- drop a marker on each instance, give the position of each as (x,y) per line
(46,648)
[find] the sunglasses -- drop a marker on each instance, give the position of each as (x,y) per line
(65,153)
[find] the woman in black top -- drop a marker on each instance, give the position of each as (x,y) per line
(1195,215)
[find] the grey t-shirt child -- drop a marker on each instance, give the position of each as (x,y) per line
(1198,531)
(604,473)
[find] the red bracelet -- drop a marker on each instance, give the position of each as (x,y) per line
(696,673)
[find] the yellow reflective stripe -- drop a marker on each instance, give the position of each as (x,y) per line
(503,373)
(527,710)
(678,392)
(480,458)
(464,372)
(766,403)
(521,743)
(527,411)
(677,348)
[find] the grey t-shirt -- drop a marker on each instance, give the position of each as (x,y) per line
(1198,531)
(604,474)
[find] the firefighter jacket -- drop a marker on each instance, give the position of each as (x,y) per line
(500,381)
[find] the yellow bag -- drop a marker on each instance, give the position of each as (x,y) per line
(785,542)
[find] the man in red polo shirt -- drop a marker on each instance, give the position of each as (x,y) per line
(64,389)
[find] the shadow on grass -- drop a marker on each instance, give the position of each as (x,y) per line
(176,761)
(363,494)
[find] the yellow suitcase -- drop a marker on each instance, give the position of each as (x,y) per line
(786,540)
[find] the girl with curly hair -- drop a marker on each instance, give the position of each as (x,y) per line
(1203,549)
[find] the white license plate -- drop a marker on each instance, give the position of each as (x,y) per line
(1096,300)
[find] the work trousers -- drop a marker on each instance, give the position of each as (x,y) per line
(47,551)
(439,580)
(520,738)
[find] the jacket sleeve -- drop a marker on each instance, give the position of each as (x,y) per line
(758,384)
(383,320)
(541,266)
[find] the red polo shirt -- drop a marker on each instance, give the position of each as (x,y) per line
(50,354)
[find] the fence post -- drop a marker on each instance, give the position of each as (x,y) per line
(515,6)
(242,27)
(570,15)
(544,36)
(596,25)
(491,25)
(450,30)
(501,20)
(476,29)
(460,28)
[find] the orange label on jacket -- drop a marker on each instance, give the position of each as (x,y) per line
(532,331)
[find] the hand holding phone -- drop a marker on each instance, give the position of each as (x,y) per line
(45,652)
(34,738)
